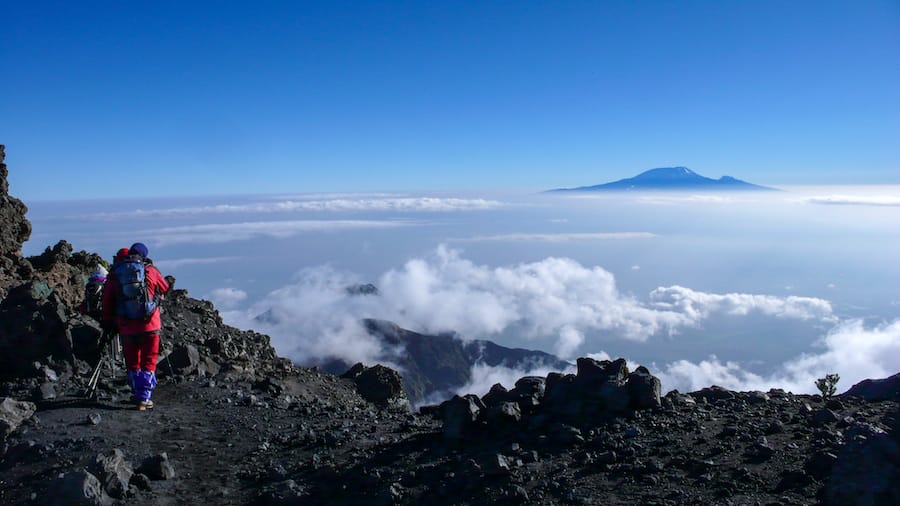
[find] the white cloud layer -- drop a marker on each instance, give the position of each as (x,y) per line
(856,200)
(554,299)
(227,232)
(699,305)
(851,349)
(447,292)
(394,204)
(561,237)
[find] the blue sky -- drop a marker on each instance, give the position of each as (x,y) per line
(222,98)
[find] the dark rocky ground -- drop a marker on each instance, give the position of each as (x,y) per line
(235,424)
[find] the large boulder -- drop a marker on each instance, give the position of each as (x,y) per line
(460,415)
(114,473)
(604,383)
(79,488)
(33,325)
(184,359)
(529,392)
(866,468)
(643,389)
(381,386)
(12,414)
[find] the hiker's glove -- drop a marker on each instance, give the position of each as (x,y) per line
(109,326)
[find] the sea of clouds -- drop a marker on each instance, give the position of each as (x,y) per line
(745,291)
(558,304)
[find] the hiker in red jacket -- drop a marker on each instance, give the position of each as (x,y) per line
(131,297)
(121,255)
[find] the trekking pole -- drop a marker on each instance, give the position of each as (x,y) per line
(114,351)
(169,363)
(114,355)
(95,374)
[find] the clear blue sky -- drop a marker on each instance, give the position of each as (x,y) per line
(246,97)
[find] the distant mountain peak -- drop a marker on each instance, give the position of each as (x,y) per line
(669,179)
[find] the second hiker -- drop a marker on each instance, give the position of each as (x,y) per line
(131,297)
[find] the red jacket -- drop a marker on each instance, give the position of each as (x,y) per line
(156,285)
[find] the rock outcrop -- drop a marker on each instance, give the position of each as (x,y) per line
(877,389)
(599,391)
(65,271)
(16,230)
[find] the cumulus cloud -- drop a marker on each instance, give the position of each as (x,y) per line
(448,292)
(856,200)
(561,237)
(227,232)
(851,349)
(569,340)
(698,305)
(315,318)
(555,299)
(394,204)
(227,297)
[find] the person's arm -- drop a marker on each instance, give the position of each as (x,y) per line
(161,287)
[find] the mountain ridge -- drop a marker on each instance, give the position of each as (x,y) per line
(439,364)
(669,178)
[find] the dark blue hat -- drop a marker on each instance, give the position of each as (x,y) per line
(138,248)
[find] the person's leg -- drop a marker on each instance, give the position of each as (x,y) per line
(149,352)
(132,351)
(149,346)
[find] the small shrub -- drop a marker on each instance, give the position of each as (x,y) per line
(828,385)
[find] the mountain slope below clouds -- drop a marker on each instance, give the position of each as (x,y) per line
(671,179)
(439,364)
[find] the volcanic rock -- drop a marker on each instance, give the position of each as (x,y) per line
(380,385)
(114,473)
(66,272)
(184,359)
(877,389)
(866,468)
(77,488)
(12,414)
(16,229)
(157,467)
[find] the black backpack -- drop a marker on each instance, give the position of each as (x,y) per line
(93,298)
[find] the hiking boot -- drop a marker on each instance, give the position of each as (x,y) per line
(145,405)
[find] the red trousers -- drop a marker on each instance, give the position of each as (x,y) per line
(141,351)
